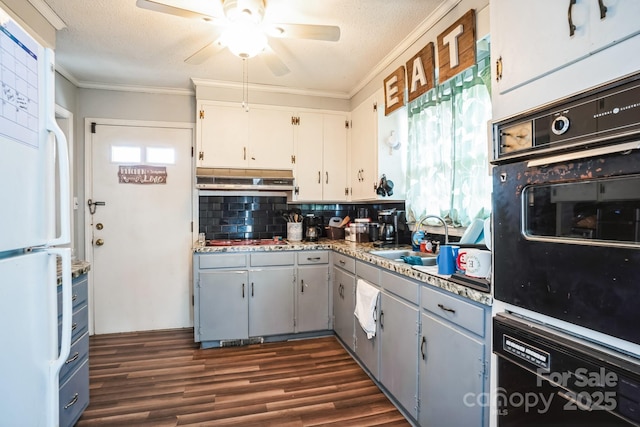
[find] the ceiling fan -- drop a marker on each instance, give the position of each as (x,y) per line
(243,30)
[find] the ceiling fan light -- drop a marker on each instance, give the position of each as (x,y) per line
(244,41)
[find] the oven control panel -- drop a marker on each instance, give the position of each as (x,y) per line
(608,114)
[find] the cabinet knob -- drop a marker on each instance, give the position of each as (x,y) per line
(99,242)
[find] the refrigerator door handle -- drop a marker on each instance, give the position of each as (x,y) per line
(62,152)
(65,339)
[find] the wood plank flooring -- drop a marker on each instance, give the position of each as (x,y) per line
(162,378)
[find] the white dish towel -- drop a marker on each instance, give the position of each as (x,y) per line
(366,306)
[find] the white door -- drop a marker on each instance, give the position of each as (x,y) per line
(141,236)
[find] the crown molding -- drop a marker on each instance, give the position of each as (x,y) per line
(430,21)
(269,88)
(45,10)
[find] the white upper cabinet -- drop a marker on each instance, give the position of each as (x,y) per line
(230,137)
(533,39)
(271,134)
(321,157)
(364,129)
(378,147)
(222,136)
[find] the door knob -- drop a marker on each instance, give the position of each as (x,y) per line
(99,226)
(99,242)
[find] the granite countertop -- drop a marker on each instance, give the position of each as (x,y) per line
(78,268)
(362,251)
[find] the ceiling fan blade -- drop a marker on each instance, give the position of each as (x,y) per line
(274,63)
(328,33)
(205,53)
(159,6)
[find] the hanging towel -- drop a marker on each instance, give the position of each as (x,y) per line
(366,306)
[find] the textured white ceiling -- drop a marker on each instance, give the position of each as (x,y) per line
(113,42)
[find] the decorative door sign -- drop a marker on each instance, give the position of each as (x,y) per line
(142,174)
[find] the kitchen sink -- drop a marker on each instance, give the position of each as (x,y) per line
(397,254)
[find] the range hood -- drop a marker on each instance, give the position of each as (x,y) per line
(244,179)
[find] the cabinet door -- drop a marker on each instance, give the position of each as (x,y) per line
(270,138)
(223,136)
(363,169)
(271,301)
(399,351)
(222,305)
(334,157)
(313,298)
(309,155)
(343,305)
(527,52)
(451,376)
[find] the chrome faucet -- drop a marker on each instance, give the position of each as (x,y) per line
(446,230)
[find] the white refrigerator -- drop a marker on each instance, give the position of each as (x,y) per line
(34,172)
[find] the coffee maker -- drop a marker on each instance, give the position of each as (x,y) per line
(388,226)
(312,227)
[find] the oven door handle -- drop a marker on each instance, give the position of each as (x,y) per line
(571,398)
(610,149)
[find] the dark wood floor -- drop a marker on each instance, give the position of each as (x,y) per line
(162,378)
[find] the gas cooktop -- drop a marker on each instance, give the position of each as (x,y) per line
(244,242)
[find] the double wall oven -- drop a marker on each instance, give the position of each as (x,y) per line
(566,227)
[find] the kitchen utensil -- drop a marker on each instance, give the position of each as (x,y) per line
(294,231)
(345,221)
(335,221)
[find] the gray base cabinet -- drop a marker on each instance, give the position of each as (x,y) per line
(74,375)
(367,349)
(223,305)
(271,301)
(399,351)
(313,298)
(453,361)
(245,295)
(452,376)
(344,287)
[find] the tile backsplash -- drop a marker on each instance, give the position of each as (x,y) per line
(260,217)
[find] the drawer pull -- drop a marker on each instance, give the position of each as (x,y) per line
(73,358)
(442,307)
(315,258)
(74,297)
(72,401)
(342,262)
(422,346)
(74,326)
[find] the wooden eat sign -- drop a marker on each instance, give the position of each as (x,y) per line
(456,52)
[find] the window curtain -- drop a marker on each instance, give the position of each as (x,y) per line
(447,167)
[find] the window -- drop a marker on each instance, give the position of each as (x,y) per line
(447,166)
(165,156)
(121,154)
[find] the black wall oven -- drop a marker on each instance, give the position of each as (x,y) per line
(566,191)
(566,255)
